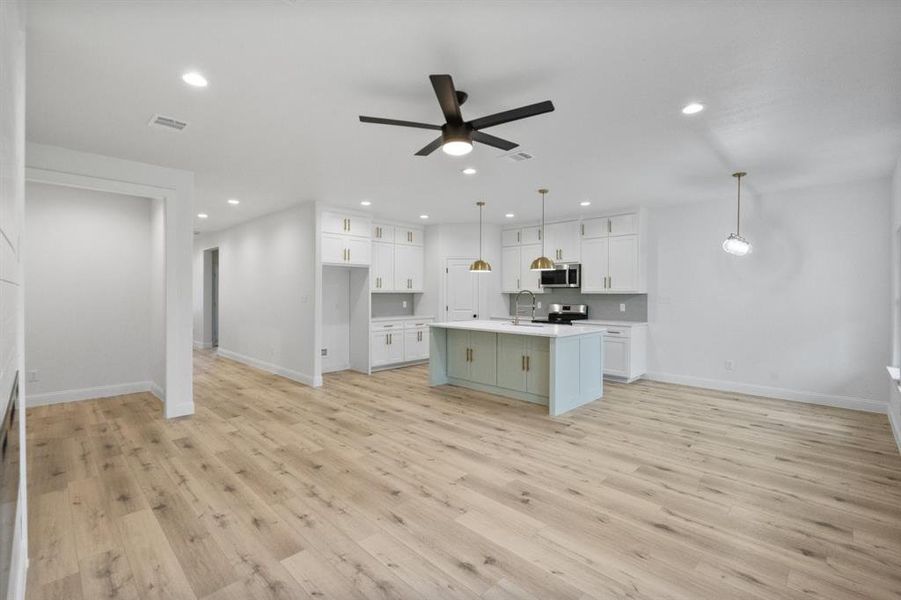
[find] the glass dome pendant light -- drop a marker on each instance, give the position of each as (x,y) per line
(735,244)
(480,266)
(542,263)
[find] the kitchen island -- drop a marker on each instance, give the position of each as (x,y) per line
(555,365)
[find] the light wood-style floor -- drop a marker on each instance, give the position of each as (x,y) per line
(380,487)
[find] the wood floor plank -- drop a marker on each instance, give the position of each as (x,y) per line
(383,487)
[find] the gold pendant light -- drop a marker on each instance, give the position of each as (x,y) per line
(480,266)
(542,263)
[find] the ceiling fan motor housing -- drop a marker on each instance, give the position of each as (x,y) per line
(451,132)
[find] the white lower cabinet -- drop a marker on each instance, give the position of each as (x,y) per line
(399,341)
(523,363)
(625,350)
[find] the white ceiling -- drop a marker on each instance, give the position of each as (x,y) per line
(797,93)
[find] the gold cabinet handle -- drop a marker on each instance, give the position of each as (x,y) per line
(348,254)
(348,224)
(528,363)
(582,228)
(523,367)
(517,283)
(518,237)
(609,226)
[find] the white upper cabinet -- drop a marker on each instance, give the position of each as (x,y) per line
(345,250)
(626,224)
(408,268)
(623,267)
(345,224)
(613,254)
(382,233)
(510,266)
(408,235)
(381,277)
(529,280)
(530,235)
(510,237)
(561,241)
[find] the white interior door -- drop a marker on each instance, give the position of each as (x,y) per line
(461,290)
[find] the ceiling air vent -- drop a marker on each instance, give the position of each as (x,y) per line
(166,122)
(518,156)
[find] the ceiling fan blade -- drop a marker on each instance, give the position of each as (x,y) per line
(400,123)
(513,115)
(490,140)
(447,98)
(434,145)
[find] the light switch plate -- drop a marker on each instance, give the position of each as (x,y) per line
(622,308)
(403,304)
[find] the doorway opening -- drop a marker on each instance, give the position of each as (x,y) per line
(211,298)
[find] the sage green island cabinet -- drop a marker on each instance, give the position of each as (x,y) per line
(555,365)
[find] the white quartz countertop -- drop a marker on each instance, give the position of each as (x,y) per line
(527,328)
(402,318)
(586,321)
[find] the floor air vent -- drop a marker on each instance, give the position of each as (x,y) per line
(167,123)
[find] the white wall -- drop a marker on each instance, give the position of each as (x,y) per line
(157,348)
(803,317)
(52,164)
(895,310)
(462,241)
(266,269)
(89,315)
(12,188)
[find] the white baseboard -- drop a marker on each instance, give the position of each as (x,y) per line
(849,402)
(104,391)
(157,391)
(272,368)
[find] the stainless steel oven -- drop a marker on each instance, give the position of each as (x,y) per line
(562,276)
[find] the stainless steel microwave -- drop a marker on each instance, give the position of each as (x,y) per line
(562,276)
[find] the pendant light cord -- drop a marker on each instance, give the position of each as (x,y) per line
(738,212)
(542,223)
(480,230)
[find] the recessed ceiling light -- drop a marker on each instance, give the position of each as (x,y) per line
(202,215)
(585,203)
(423,216)
(693,108)
(365,202)
(469,171)
(194,78)
(234,201)
(509,215)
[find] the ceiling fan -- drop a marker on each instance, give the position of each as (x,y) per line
(458,135)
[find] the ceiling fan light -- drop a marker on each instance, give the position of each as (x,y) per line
(457,147)
(542,263)
(737,245)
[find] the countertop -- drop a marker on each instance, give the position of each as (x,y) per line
(533,329)
(402,318)
(586,321)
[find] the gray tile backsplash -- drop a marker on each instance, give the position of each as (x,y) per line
(600,306)
(392,305)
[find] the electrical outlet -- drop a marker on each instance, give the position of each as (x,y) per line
(324,352)
(403,304)
(33,376)
(539,304)
(730,365)
(622,308)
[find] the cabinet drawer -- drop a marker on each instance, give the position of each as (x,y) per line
(619,332)
(387,325)
(418,323)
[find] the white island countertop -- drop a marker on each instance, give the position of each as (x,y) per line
(526,328)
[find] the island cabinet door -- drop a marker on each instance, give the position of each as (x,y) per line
(458,354)
(538,376)
(483,357)
(511,361)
